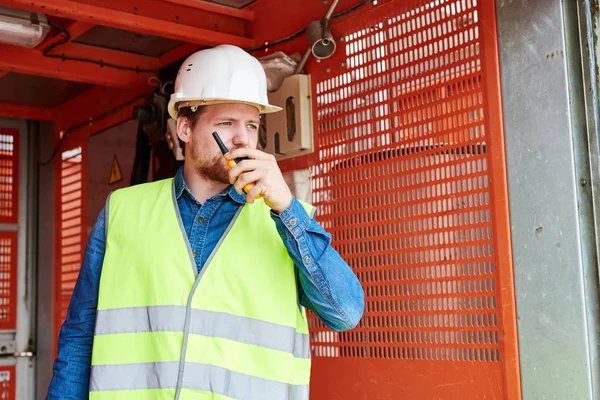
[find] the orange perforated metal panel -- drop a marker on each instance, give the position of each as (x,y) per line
(8,280)
(70,230)
(7,382)
(409,177)
(9,175)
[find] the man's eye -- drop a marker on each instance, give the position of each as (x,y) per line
(252,126)
(226,123)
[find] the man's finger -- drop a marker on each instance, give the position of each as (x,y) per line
(255,192)
(242,167)
(250,153)
(246,178)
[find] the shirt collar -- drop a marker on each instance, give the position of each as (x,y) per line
(181,187)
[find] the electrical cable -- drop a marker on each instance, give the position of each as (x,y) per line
(63,57)
(301,31)
(71,129)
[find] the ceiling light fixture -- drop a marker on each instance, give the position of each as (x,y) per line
(22,28)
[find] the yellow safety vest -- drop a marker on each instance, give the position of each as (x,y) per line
(163,331)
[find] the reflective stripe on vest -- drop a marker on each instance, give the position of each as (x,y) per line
(206,323)
(164,331)
(201,377)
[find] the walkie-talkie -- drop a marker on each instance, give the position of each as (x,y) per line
(232,163)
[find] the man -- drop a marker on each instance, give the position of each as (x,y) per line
(191,288)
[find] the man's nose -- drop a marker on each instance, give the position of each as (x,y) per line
(240,138)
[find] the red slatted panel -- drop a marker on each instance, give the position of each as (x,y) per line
(9,175)
(8,280)
(410,179)
(70,227)
(7,382)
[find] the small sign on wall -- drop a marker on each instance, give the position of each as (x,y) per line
(115,172)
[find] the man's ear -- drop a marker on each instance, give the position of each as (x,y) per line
(184,129)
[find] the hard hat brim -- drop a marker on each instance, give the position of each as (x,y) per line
(173,107)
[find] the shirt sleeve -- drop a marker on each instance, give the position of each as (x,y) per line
(71,372)
(328,286)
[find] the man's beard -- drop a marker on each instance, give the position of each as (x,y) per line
(214,169)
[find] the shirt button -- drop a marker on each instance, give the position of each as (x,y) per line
(194,253)
(307,260)
(201,220)
(293,222)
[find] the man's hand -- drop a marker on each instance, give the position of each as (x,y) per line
(262,170)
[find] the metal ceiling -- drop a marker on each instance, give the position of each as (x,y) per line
(38,91)
(128,41)
(116,44)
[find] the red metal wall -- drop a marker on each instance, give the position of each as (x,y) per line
(9,213)
(410,179)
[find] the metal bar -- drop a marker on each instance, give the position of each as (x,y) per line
(501,211)
(215,8)
(331,9)
(303,61)
(124,20)
(42,255)
(26,112)
(9,227)
(26,266)
(583,92)
(29,61)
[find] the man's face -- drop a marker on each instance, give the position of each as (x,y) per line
(236,124)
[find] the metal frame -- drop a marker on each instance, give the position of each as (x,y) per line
(582,23)
(24,336)
(45,341)
(553,245)
(26,306)
(26,112)
(26,61)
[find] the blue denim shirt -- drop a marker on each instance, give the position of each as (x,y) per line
(328,286)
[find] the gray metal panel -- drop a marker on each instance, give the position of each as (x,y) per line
(45,219)
(549,255)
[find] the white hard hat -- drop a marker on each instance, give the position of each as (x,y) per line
(222,74)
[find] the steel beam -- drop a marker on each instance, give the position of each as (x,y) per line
(27,61)
(95,104)
(26,112)
(128,21)
(78,28)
